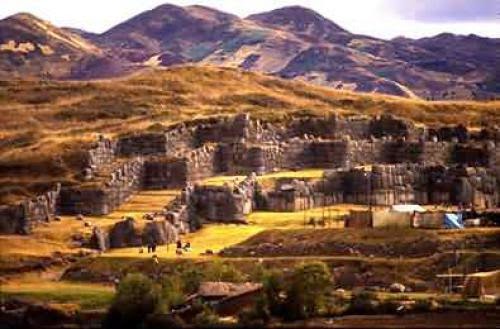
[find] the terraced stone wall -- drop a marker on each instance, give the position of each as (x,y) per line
(21,218)
(104,196)
(393,184)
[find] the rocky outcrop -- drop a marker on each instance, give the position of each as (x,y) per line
(160,232)
(99,240)
(128,233)
(125,234)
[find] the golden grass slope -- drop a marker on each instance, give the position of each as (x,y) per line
(45,124)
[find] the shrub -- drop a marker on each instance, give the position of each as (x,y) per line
(191,280)
(364,302)
(206,318)
(273,288)
(154,321)
(172,293)
(307,292)
(257,316)
(136,297)
(424,305)
(219,271)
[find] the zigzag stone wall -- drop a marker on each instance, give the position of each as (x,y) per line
(190,151)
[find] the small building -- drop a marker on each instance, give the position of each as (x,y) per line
(428,220)
(385,219)
(453,221)
(226,298)
(408,208)
(378,219)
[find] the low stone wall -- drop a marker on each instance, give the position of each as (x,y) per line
(21,218)
(103,151)
(365,152)
(356,127)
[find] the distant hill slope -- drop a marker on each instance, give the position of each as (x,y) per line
(291,42)
(34,48)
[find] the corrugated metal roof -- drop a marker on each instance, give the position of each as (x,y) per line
(408,208)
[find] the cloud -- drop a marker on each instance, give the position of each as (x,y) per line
(446,10)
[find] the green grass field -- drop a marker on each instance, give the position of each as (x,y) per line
(86,296)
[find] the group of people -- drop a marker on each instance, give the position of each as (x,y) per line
(181,249)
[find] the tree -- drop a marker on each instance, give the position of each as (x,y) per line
(191,278)
(155,321)
(219,271)
(273,289)
(172,294)
(364,302)
(307,291)
(136,297)
(207,318)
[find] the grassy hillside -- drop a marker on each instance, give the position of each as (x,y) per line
(45,124)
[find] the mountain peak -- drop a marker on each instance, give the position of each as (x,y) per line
(23,17)
(298,19)
(208,13)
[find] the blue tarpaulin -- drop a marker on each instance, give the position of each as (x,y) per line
(453,221)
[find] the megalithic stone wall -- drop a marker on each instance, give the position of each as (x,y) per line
(102,197)
(21,218)
(223,130)
(223,203)
(143,144)
(413,183)
(193,150)
(202,162)
(165,173)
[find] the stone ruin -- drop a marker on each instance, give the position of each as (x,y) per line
(21,218)
(228,203)
(411,164)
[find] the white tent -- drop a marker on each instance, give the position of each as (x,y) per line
(408,208)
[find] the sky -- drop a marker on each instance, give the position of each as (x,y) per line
(379,18)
